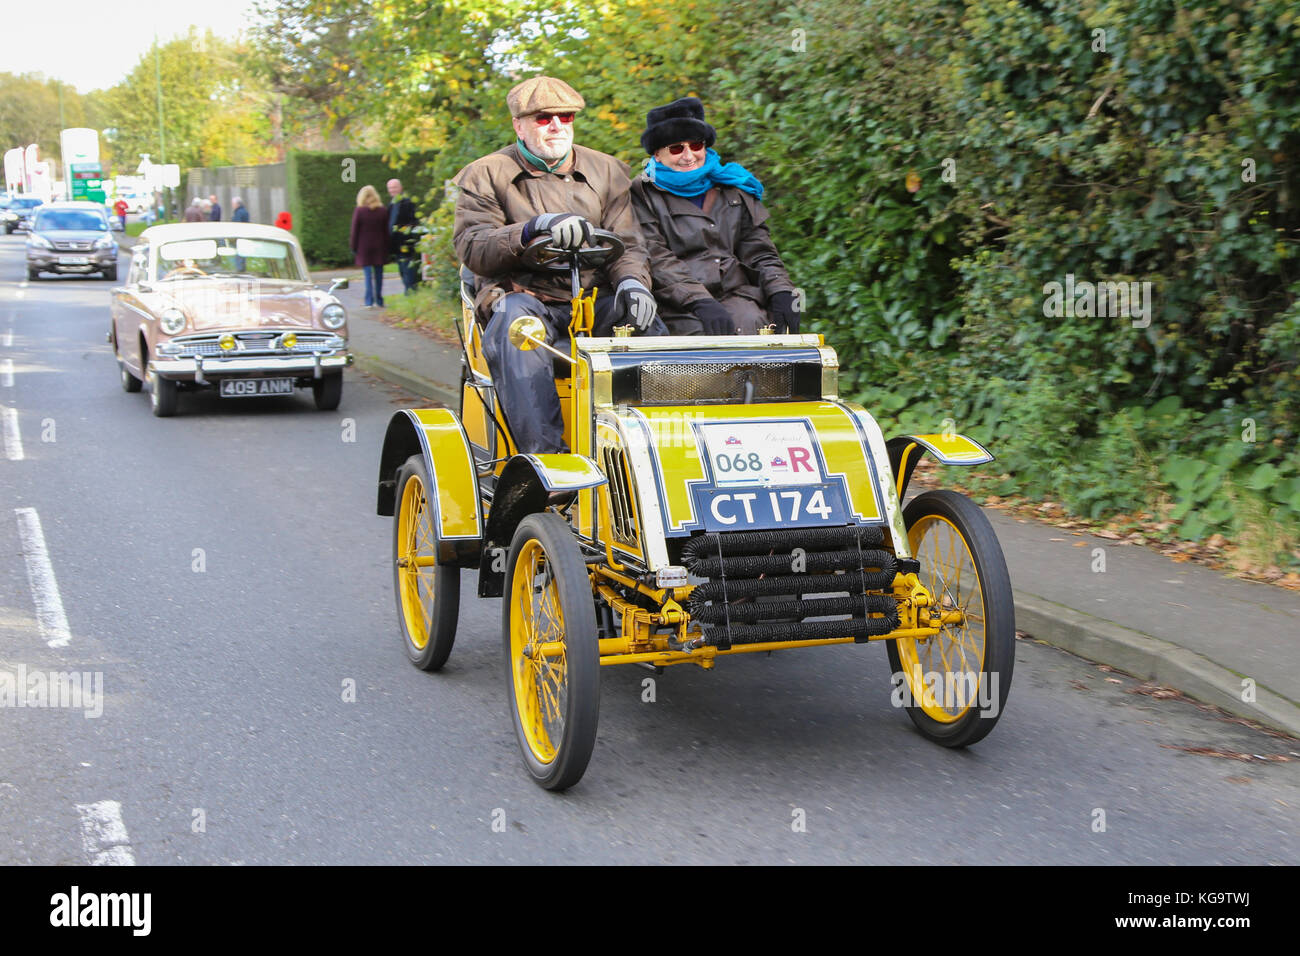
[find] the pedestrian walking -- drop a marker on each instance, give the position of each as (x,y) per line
(240,211)
(369,242)
(401,238)
(215,215)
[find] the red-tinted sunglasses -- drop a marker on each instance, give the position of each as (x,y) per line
(676,148)
(544,119)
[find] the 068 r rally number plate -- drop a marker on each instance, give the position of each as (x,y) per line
(254,387)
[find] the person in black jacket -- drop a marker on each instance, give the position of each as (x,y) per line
(401,238)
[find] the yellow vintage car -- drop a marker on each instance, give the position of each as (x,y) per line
(719,499)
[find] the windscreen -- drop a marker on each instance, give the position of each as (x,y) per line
(248,258)
(70,219)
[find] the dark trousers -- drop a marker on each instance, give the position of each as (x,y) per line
(374,285)
(525,381)
(409,270)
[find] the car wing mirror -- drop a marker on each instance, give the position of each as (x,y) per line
(338,284)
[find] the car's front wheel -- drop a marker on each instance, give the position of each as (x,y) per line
(129,382)
(956,682)
(552,651)
(327,392)
(33,274)
(164,396)
(111,274)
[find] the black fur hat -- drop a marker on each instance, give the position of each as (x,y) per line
(681,121)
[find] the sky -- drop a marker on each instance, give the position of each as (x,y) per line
(107,39)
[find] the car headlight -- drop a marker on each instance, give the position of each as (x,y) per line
(39,241)
(104,243)
(10,217)
(172,321)
(333,315)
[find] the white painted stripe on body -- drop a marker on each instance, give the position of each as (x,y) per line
(13,438)
(103,834)
(40,575)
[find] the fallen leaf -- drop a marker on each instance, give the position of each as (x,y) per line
(1113,680)
(1081,544)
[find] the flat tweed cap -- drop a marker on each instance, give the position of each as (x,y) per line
(543,94)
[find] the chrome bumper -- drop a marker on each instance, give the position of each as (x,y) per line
(201,367)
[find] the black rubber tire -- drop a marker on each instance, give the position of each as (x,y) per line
(443,579)
(327,392)
(565,569)
(164,397)
(999,651)
(129,382)
(33,275)
(110,274)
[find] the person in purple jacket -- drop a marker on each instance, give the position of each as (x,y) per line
(369,242)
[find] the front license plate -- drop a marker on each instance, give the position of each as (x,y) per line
(254,387)
(801,506)
(73,261)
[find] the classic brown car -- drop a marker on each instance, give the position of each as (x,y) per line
(230,306)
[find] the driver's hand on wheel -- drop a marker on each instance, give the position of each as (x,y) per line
(568,230)
(783,310)
(715,318)
(636,303)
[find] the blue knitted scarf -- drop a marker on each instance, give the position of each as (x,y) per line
(694,182)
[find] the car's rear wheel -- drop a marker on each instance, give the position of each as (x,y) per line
(327,392)
(164,396)
(428,594)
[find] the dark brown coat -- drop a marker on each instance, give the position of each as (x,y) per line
(369,240)
(499,193)
(723,250)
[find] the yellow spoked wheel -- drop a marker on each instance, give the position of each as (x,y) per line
(428,593)
(954,685)
(552,651)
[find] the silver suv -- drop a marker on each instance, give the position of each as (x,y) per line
(71,237)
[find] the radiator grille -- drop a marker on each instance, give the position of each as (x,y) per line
(670,383)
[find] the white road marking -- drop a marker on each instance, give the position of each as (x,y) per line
(13,438)
(9,338)
(7,373)
(40,575)
(103,834)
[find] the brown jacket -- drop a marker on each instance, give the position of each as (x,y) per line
(722,250)
(500,192)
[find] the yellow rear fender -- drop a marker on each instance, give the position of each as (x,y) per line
(437,435)
(948,449)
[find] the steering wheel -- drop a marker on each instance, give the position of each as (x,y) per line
(186,271)
(540,256)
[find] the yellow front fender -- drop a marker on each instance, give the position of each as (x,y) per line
(948,449)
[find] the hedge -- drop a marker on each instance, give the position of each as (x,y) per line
(323,190)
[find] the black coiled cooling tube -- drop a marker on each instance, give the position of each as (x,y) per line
(765,542)
(855,582)
(752,565)
(858,628)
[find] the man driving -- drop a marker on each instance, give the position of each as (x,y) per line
(544,185)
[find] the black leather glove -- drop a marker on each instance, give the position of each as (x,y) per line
(568,230)
(636,304)
(781,305)
(714,317)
